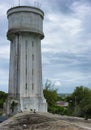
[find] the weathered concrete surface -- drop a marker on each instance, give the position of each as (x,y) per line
(25,32)
(37,121)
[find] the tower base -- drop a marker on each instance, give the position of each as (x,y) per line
(34,103)
(13,106)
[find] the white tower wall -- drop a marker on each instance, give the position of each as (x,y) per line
(25,31)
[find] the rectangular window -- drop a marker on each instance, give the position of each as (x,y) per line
(26,46)
(32,57)
(32,72)
(32,44)
(26,86)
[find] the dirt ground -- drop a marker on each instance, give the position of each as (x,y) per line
(38,121)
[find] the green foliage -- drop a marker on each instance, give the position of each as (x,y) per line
(58,110)
(13,105)
(3,97)
(50,93)
(85,103)
(80,102)
(59,98)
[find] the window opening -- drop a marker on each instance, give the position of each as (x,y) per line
(32,44)
(32,57)
(26,86)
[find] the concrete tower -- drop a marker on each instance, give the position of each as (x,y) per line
(25,31)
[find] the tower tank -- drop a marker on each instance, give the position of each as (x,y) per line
(25,31)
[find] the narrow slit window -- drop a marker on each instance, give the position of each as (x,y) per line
(26,86)
(32,57)
(32,44)
(32,72)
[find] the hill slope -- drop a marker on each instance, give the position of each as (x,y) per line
(37,121)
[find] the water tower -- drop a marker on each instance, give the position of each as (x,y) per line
(25,32)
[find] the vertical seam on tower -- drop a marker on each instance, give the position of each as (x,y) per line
(17,63)
(26,63)
(32,66)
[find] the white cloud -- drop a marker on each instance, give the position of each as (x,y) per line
(4,52)
(57,83)
(81,10)
(61,33)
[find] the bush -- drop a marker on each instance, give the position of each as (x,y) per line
(58,110)
(3,97)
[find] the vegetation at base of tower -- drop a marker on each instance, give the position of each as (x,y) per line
(50,93)
(51,96)
(79,101)
(13,105)
(3,97)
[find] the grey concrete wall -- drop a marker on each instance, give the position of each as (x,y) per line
(22,19)
(25,31)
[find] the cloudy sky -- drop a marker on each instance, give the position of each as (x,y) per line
(66,49)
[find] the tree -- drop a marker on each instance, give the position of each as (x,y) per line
(80,102)
(85,103)
(3,97)
(13,105)
(50,93)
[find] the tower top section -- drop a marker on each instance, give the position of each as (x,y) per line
(25,9)
(25,19)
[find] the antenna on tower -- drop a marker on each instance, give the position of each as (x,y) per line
(19,2)
(37,4)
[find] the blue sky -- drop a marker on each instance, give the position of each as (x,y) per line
(66,48)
